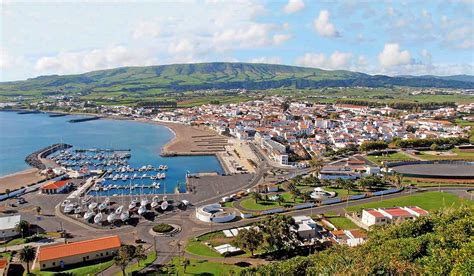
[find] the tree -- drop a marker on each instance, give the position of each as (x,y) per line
(280,199)
(250,239)
(185,263)
(306,196)
(369,182)
(140,253)
(125,255)
(398,180)
(373,145)
(7,191)
(256,196)
(434,146)
(279,234)
(26,255)
(23,227)
(317,164)
(295,193)
(348,185)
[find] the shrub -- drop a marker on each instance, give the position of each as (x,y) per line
(163,228)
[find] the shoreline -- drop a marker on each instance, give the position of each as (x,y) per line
(180,145)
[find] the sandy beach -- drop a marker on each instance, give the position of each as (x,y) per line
(20,179)
(191,140)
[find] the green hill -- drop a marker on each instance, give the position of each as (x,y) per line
(218,75)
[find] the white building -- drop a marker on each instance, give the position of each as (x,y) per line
(382,216)
(8,225)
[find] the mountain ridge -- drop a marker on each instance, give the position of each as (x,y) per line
(221,75)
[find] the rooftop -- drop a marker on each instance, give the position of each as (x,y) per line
(55,185)
(9,222)
(77,248)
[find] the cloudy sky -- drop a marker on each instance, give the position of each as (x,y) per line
(388,37)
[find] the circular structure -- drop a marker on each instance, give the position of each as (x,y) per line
(214,213)
(320,193)
(163,228)
(439,169)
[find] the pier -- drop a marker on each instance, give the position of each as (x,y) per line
(84,119)
(29,112)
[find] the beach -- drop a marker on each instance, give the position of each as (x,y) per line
(191,140)
(20,179)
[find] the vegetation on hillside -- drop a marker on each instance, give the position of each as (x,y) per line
(439,244)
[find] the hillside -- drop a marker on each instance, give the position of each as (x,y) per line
(440,244)
(219,75)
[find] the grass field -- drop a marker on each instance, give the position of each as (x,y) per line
(398,156)
(200,249)
(459,155)
(343,223)
(94,269)
(137,267)
(261,205)
(199,267)
(464,123)
(429,201)
(16,241)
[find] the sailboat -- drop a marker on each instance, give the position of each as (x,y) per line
(142,210)
(154,201)
(124,216)
(119,210)
(112,217)
(89,214)
(69,208)
(98,218)
(92,206)
(164,204)
(144,202)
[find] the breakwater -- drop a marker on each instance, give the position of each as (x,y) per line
(57,115)
(34,158)
(84,119)
(29,112)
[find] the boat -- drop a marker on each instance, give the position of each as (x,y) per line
(133,204)
(144,202)
(119,210)
(111,217)
(98,218)
(103,206)
(164,205)
(107,200)
(69,208)
(142,210)
(88,215)
(78,210)
(92,206)
(154,204)
(124,216)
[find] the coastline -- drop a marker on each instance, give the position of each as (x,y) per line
(187,141)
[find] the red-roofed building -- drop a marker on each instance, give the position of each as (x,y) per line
(383,216)
(56,187)
(72,253)
(3,267)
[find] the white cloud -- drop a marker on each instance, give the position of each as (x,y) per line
(280,38)
(249,36)
(391,55)
(146,29)
(337,60)
(269,60)
(294,6)
(76,62)
(9,61)
(323,26)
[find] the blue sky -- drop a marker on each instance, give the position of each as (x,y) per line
(387,37)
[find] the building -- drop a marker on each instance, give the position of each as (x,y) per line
(3,267)
(77,252)
(8,226)
(307,227)
(382,216)
(56,187)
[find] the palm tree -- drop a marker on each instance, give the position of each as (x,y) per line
(306,196)
(26,255)
(256,196)
(280,200)
(185,263)
(38,210)
(23,227)
(348,185)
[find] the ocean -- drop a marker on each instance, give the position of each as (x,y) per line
(23,134)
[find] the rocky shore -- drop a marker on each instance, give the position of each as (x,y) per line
(34,158)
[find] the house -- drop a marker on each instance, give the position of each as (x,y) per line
(8,226)
(56,187)
(77,252)
(306,227)
(383,216)
(3,267)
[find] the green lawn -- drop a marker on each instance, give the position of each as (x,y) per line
(393,157)
(84,270)
(341,192)
(250,204)
(460,155)
(198,267)
(136,267)
(343,223)
(464,123)
(16,241)
(200,249)
(429,201)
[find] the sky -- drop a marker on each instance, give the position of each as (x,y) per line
(371,36)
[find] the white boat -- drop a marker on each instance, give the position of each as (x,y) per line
(142,210)
(111,217)
(144,202)
(88,215)
(115,177)
(103,206)
(107,200)
(119,210)
(124,216)
(133,204)
(78,210)
(154,204)
(69,208)
(164,205)
(98,218)
(92,206)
